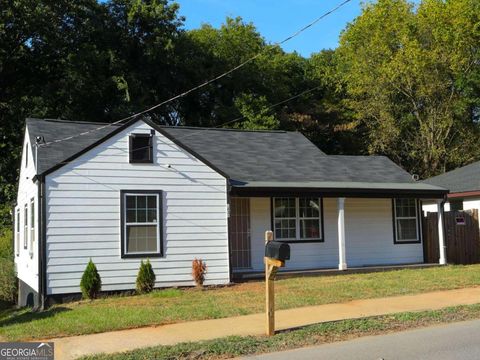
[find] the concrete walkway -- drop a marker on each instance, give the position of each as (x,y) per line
(119,341)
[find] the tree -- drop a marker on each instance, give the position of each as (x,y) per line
(81,60)
(408,75)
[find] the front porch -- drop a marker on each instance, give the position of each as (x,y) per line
(240,276)
(329,235)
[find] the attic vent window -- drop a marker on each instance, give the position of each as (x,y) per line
(141,148)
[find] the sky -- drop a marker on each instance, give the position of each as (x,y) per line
(277,19)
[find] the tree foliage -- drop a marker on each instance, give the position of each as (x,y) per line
(411,75)
(404,81)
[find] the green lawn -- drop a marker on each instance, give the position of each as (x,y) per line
(176,305)
(308,336)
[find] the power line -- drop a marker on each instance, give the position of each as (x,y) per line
(295,34)
(123,151)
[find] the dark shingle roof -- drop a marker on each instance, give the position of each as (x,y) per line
(282,156)
(51,129)
(246,157)
(466,178)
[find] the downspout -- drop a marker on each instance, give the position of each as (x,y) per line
(230,271)
(41,231)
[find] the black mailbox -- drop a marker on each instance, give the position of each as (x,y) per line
(277,250)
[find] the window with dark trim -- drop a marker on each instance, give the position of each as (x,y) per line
(297,219)
(32,225)
(456,205)
(141,222)
(17,231)
(406,221)
(141,148)
(25,226)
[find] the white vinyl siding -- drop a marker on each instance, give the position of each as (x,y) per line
(26,261)
(84,215)
(368,231)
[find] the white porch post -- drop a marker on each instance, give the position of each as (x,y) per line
(441,235)
(342,262)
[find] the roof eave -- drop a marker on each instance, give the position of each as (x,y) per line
(338,192)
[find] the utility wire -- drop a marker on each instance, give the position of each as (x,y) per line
(298,32)
(123,151)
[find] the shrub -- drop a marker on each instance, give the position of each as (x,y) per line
(8,277)
(8,281)
(145,278)
(91,283)
(6,243)
(199,268)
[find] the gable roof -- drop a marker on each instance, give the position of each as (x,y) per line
(463,179)
(54,129)
(248,158)
(282,156)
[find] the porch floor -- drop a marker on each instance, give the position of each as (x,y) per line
(245,275)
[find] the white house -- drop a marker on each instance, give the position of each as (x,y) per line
(464,186)
(118,194)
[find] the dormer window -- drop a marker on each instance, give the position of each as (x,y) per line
(141,148)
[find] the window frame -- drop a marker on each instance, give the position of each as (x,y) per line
(17,231)
(32,225)
(130,148)
(123,224)
(25,226)
(298,239)
(396,241)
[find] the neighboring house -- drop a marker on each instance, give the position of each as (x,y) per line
(119,194)
(464,186)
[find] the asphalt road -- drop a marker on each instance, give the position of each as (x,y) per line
(454,341)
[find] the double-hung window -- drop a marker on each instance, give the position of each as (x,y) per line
(297,219)
(17,231)
(25,226)
(32,225)
(141,223)
(406,228)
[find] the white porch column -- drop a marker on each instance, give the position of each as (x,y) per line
(342,262)
(441,235)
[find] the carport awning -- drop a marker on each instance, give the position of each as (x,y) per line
(336,189)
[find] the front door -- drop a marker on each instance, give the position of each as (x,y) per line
(239,233)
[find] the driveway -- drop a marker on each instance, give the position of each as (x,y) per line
(453,341)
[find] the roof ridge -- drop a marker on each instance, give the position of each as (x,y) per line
(223,129)
(66,121)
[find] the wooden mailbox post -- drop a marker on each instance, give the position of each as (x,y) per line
(271,267)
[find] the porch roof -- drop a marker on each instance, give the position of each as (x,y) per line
(335,188)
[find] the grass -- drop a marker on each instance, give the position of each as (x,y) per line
(177,305)
(307,336)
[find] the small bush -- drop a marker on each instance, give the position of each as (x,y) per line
(145,278)
(6,243)
(91,283)
(8,277)
(8,281)
(199,268)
